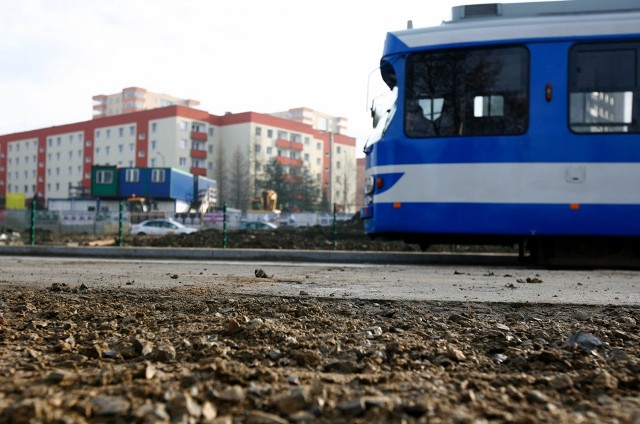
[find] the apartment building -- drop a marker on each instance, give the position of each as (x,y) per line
(318,120)
(53,162)
(134,99)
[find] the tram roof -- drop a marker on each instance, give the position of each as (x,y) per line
(526,21)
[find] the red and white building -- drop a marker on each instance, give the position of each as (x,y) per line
(50,162)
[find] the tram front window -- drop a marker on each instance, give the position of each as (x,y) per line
(467,92)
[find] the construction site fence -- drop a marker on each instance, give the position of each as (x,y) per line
(111,223)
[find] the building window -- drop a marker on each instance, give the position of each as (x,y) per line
(121,132)
(157,175)
(141,153)
(182,161)
(153,144)
(270,133)
(183,125)
(97,135)
(183,143)
(258,130)
(211,132)
(269,150)
(120,148)
(132,130)
(132,175)
(257,148)
(108,133)
(318,146)
(154,127)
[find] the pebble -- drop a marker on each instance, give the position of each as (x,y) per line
(109,405)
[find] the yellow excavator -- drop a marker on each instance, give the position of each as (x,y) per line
(266,202)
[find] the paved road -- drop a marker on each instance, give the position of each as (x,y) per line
(453,282)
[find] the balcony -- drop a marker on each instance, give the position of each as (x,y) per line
(284,161)
(198,154)
(198,135)
(286,144)
(198,171)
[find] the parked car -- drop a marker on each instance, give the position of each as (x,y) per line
(258,225)
(160,227)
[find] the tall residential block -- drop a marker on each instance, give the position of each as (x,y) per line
(134,99)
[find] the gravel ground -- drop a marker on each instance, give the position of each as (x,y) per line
(75,354)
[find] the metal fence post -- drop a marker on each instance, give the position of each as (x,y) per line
(33,221)
(335,228)
(224,226)
(120,222)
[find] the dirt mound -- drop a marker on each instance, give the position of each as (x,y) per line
(349,235)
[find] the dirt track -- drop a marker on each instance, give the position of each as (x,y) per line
(75,353)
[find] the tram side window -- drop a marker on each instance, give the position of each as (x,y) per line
(467,92)
(603,86)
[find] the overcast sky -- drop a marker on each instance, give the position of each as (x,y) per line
(243,55)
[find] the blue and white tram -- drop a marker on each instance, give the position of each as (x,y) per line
(510,123)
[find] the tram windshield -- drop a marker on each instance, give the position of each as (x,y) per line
(467,92)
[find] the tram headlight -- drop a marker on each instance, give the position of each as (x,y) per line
(369,184)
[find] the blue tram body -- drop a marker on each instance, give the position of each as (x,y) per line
(511,122)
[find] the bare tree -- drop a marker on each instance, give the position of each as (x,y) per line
(239,182)
(221,175)
(347,185)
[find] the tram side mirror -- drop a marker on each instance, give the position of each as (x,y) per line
(382,111)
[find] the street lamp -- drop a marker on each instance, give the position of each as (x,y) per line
(161,157)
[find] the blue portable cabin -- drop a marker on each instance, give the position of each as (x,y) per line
(202,184)
(542,136)
(156,183)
